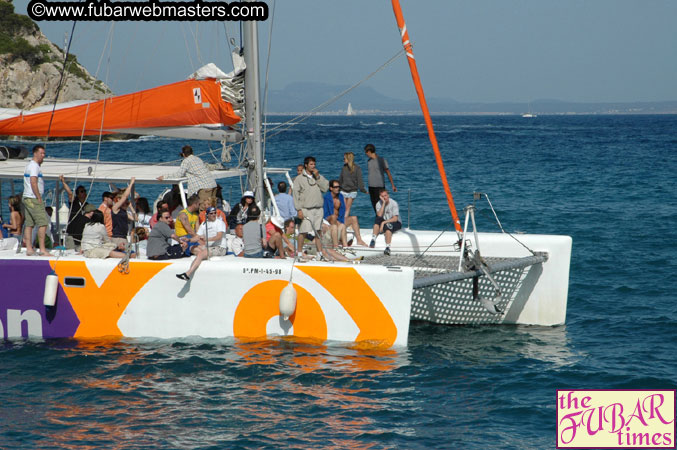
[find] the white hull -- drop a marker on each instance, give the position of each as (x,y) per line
(536,295)
(239,297)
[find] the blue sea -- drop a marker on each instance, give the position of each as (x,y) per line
(610,182)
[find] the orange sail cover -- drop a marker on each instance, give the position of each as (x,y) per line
(186,103)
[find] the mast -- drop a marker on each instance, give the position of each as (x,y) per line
(424,108)
(253,109)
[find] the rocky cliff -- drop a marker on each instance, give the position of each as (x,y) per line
(30,66)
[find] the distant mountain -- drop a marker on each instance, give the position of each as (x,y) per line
(301,97)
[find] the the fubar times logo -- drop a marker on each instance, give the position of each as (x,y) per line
(620,418)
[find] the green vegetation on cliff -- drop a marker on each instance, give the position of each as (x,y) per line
(13,25)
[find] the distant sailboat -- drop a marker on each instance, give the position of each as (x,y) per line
(529,114)
(350,111)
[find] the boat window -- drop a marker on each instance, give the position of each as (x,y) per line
(74,281)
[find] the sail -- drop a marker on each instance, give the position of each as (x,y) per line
(172,109)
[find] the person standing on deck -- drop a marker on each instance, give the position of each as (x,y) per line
(285,202)
(308,201)
(377,166)
(76,218)
(350,180)
(34,188)
(200,181)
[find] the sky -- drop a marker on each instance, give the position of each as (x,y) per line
(466,50)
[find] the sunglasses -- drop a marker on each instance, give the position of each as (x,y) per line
(336,187)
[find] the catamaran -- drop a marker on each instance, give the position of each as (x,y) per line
(430,275)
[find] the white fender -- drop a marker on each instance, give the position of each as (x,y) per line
(51,287)
(63,214)
(287,301)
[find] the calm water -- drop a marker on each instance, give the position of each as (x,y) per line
(609,182)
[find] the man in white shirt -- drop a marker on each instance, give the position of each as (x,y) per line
(34,188)
(387,220)
(213,230)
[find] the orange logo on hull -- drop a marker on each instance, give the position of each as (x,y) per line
(100,308)
(261,303)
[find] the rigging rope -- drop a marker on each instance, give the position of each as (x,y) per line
(304,116)
(265,89)
(479,195)
(61,80)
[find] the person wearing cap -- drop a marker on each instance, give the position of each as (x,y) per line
(107,201)
(308,201)
(205,205)
(274,229)
(240,212)
(213,231)
(200,181)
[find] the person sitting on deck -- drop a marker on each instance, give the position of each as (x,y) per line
(387,220)
(289,237)
(158,247)
(187,220)
(16,218)
(240,211)
(213,231)
(211,203)
(160,206)
(274,229)
(253,234)
(95,242)
(335,207)
(236,243)
(144,214)
(334,213)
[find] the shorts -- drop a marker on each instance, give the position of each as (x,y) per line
(312,220)
(349,194)
(207,194)
(100,252)
(119,240)
(217,251)
(254,255)
(36,216)
(391,226)
(172,252)
(190,245)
